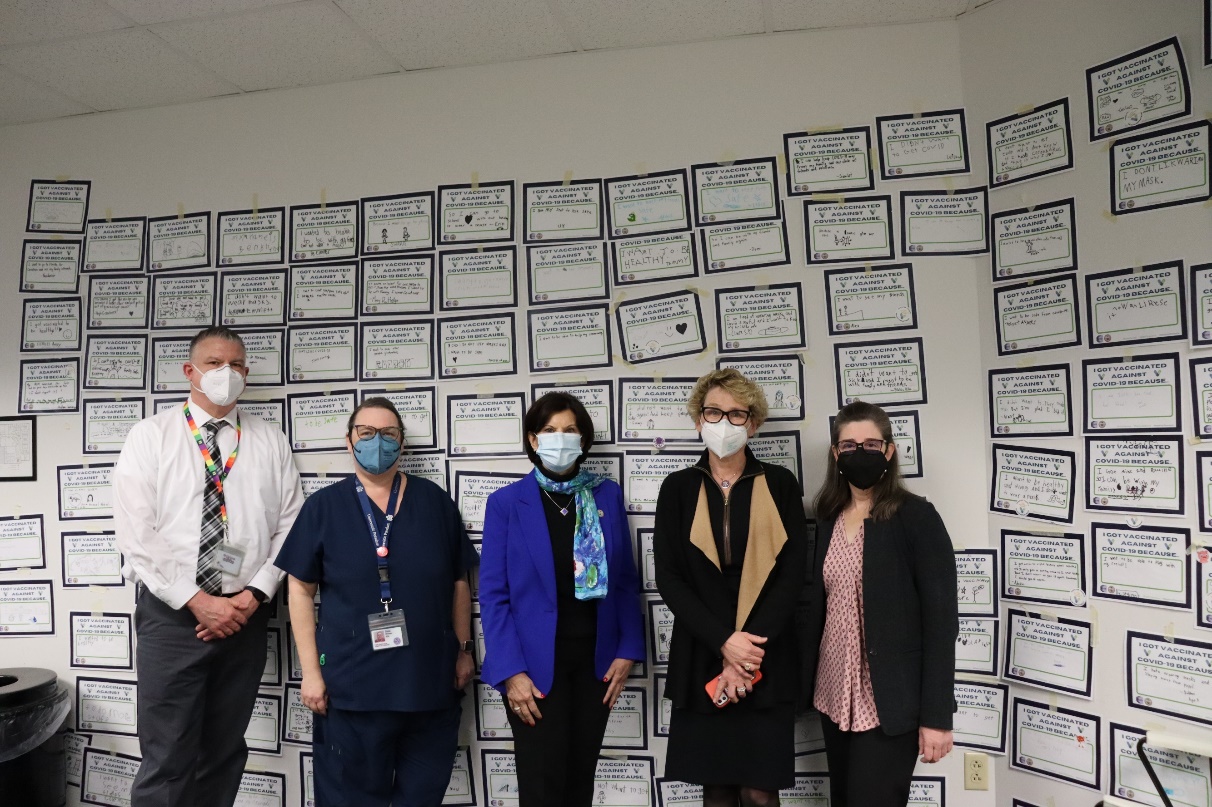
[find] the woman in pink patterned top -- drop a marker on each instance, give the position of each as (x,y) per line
(881,645)
(843,680)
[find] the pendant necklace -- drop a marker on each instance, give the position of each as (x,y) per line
(564,509)
(724,483)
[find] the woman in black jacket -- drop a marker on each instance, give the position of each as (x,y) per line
(884,618)
(730,545)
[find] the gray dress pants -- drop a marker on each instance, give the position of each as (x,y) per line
(195,701)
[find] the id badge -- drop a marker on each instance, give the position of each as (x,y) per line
(387,630)
(228,559)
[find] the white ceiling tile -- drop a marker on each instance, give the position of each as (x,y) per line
(124,69)
(300,44)
(632,23)
(39,20)
(23,101)
(62,54)
(795,15)
(150,12)
(440,33)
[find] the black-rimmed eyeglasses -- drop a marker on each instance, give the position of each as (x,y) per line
(851,446)
(737,417)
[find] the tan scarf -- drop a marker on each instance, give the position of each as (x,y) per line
(766,538)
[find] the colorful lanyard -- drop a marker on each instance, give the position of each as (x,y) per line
(380,541)
(216,475)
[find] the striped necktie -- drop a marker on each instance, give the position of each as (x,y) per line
(210,578)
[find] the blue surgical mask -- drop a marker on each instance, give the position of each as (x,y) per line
(377,454)
(559,451)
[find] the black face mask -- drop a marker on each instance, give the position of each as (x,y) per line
(862,468)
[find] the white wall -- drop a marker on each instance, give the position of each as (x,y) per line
(599,115)
(1032,52)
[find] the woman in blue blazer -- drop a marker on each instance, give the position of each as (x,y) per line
(559,602)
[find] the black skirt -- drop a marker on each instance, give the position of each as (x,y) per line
(738,745)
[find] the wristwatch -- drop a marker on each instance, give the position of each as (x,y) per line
(258,594)
(465,647)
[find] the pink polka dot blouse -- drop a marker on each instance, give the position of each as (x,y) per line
(843,681)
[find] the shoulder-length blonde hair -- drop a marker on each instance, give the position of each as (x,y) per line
(886,495)
(735,384)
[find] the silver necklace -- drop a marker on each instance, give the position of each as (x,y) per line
(725,483)
(564,509)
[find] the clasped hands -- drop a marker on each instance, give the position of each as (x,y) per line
(221,617)
(743,656)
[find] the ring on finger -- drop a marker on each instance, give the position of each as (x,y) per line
(741,690)
(748,667)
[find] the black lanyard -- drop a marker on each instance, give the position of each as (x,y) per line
(380,541)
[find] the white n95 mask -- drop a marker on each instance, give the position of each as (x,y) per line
(221,385)
(723,438)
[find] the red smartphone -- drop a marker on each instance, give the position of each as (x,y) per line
(723,699)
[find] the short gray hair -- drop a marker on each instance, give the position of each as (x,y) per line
(217,331)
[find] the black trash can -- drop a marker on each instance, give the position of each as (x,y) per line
(33,763)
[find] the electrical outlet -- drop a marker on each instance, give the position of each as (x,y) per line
(976,771)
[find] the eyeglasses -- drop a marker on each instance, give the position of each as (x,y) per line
(851,446)
(737,417)
(390,432)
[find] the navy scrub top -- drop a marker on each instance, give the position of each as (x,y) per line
(330,545)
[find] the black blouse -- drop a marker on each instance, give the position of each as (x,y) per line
(575,619)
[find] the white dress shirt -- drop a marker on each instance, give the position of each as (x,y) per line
(159,481)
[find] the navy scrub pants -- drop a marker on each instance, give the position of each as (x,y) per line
(376,759)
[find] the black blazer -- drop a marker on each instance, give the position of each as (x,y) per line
(910,619)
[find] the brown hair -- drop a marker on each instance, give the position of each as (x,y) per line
(546,407)
(375,402)
(886,495)
(735,384)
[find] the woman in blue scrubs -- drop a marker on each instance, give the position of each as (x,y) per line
(560,604)
(384,669)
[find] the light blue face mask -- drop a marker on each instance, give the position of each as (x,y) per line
(376,454)
(559,451)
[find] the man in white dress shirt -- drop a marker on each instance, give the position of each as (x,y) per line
(203,499)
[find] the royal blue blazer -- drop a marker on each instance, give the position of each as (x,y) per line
(518,588)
